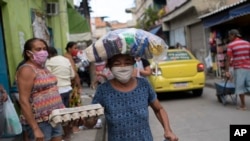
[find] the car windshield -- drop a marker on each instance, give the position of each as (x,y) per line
(179,55)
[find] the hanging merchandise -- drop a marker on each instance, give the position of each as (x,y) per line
(209,61)
(135,42)
(212,41)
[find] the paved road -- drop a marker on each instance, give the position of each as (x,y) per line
(192,118)
(199,118)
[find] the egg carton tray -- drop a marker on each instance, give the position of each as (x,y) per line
(65,115)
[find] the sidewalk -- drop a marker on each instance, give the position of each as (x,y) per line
(97,134)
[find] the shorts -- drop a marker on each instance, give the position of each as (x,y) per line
(65,98)
(242,81)
(48,131)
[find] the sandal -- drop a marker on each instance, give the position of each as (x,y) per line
(75,129)
(66,138)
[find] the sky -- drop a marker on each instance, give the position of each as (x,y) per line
(113,9)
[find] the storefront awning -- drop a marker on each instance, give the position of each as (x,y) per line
(225,15)
(155,30)
(78,26)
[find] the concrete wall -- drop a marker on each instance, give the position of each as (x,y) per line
(141,5)
(206,6)
(185,19)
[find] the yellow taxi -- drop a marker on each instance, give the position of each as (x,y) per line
(180,71)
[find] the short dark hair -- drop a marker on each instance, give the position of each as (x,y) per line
(70,45)
(29,44)
(111,60)
(52,52)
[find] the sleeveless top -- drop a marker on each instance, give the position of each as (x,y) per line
(44,96)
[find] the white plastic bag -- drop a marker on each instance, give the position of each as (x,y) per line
(209,61)
(12,125)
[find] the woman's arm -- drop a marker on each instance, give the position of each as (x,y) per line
(162,116)
(77,80)
(146,71)
(25,81)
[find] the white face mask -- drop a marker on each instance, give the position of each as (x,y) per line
(122,74)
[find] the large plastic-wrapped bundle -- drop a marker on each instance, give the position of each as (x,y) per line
(135,42)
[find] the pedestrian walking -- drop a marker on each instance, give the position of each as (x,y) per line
(38,93)
(142,67)
(75,98)
(61,67)
(125,100)
(102,73)
(238,53)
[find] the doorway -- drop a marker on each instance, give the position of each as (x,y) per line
(4,76)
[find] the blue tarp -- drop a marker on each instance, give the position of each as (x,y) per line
(243,10)
(155,30)
(226,15)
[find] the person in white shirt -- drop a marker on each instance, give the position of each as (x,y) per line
(61,67)
(142,67)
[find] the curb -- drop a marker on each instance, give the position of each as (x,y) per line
(101,133)
(86,99)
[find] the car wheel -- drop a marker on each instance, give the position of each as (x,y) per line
(197,92)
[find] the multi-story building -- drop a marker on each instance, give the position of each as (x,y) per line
(99,27)
(194,23)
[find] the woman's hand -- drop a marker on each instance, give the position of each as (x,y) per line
(98,73)
(39,136)
(171,136)
(90,122)
(228,74)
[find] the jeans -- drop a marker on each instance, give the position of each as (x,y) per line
(65,98)
(48,131)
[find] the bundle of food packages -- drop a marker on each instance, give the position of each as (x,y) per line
(135,42)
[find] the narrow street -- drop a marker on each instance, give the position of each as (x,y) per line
(199,118)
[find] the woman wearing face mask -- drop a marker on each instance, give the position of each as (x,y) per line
(71,53)
(75,99)
(38,93)
(126,100)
